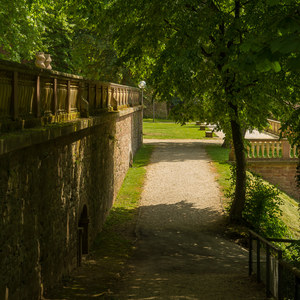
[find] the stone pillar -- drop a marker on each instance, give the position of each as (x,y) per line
(286,148)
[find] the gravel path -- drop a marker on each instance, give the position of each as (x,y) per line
(181,252)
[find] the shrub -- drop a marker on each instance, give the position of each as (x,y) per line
(262,207)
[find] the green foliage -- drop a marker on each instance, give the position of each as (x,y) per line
(222,60)
(67,30)
(262,209)
(292,252)
(20,31)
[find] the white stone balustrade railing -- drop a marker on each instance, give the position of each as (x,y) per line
(270,149)
(123,96)
(274,128)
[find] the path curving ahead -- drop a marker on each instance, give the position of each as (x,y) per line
(181,253)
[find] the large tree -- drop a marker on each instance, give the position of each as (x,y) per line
(70,30)
(198,51)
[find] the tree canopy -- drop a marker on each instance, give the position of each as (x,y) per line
(70,30)
(223,59)
(231,62)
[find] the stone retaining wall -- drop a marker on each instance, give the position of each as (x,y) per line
(49,178)
(278,172)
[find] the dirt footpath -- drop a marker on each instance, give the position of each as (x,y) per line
(181,252)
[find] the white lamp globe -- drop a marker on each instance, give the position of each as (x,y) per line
(142,84)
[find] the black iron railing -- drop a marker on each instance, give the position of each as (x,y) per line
(281,279)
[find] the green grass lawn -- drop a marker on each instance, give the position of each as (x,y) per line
(114,236)
(150,120)
(165,130)
(290,213)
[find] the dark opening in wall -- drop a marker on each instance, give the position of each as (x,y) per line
(83,234)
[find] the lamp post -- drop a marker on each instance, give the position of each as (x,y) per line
(142,85)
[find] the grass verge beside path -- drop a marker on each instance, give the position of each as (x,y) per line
(104,265)
(172,131)
(219,156)
(117,233)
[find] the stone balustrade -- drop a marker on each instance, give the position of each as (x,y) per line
(31,96)
(270,149)
(275,127)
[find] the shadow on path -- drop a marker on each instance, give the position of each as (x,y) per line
(180,252)
(176,261)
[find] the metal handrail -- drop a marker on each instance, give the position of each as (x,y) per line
(269,248)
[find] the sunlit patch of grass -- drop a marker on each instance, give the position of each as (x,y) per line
(172,131)
(291,214)
(116,236)
(219,156)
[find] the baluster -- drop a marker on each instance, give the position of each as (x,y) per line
(294,152)
(116,95)
(273,149)
(122,97)
(278,148)
(263,144)
(268,149)
(260,150)
(68,104)
(256,149)
(55,101)
(253,149)
(38,96)
(110,94)
(126,101)
(248,152)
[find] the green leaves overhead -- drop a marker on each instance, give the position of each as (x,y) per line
(273,2)
(286,44)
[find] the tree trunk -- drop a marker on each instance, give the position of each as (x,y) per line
(240,188)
